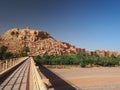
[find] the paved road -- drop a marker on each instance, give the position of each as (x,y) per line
(18,80)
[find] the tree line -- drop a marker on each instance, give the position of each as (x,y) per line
(4,54)
(81,59)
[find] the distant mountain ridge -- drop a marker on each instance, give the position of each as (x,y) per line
(40,42)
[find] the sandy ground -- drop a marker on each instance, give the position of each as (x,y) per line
(96,78)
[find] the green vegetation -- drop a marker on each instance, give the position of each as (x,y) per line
(81,59)
(24,52)
(4,54)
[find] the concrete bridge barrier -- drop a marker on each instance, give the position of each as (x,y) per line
(36,82)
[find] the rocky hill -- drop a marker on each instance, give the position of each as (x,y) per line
(40,42)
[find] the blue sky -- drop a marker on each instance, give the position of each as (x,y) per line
(90,24)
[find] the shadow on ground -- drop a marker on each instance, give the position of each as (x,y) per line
(57,82)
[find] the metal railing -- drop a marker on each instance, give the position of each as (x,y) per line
(36,81)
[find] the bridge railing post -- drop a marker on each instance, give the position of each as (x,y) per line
(6,64)
(13,62)
(10,63)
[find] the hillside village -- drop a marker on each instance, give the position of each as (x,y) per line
(40,42)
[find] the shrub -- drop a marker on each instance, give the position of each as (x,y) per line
(81,59)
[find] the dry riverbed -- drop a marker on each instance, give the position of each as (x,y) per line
(96,78)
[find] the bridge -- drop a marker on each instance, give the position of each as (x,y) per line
(23,74)
(20,74)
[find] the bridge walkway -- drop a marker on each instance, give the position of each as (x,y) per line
(18,80)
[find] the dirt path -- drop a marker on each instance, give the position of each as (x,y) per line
(97,78)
